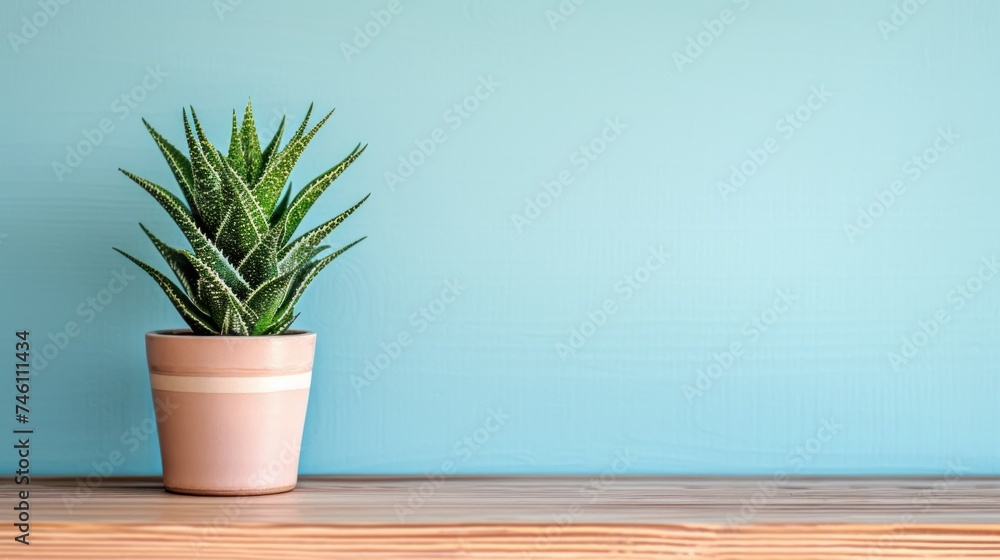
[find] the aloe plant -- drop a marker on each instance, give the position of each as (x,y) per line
(244,273)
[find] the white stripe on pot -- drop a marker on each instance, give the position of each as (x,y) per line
(213,384)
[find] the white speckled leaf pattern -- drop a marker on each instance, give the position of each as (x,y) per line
(267,298)
(247,224)
(251,146)
(198,322)
(238,214)
(301,250)
(303,201)
(261,263)
(304,276)
(302,127)
(179,164)
(268,190)
(272,146)
(235,156)
(207,188)
(178,261)
(221,300)
(203,247)
(279,210)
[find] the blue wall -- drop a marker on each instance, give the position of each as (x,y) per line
(616,286)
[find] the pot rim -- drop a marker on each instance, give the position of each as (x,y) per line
(188,333)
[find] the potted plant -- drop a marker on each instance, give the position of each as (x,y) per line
(231,391)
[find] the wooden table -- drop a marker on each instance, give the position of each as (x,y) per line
(517,517)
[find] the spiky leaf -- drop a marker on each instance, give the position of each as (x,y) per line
(300,250)
(246,223)
(305,275)
(198,322)
(178,262)
(224,304)
(179,164)
(235,155)
(211,154)
(308,196)
(267,298)
(207,188)
(202,246)
(261,263)
(282,326)
(251,145)
(276,174)
(272,146)
(302,127)
(282,207)
(237,212)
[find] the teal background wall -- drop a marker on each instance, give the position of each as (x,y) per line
(827,311)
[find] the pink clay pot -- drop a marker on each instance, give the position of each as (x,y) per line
(230,410)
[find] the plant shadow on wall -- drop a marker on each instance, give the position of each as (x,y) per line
(245,274)
(240,395)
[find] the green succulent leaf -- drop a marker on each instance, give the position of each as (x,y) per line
(272,146)
(305,276)
(267,298)
(241,276)
(235,155)
(203,247)
(282,327)
(268,189)
(251,145)
(301,250)
(210,152)
(308,196)
(179,164)
(279,210)
(207,188)
(224,305)
(245,222)
(261,263)
(178,262)
(302,127)
(198,322)
(316,251)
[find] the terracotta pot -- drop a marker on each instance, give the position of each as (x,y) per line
(230,410)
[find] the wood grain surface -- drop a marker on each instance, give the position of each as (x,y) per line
(518,517)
